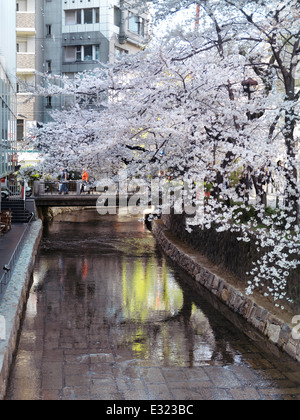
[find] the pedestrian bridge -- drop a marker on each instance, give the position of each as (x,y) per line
(70,200)
(46,194)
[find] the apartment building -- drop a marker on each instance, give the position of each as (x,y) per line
(29,29)
(81,34)
(8,101)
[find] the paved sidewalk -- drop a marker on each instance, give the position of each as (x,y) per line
(8,243)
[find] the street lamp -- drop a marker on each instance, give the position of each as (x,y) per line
(248,84)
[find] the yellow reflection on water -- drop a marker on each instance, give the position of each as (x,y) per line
(145,299)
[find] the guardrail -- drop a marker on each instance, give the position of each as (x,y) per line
(45,188)
(52,187)
(8,268)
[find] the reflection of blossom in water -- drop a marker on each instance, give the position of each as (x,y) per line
(158,320)
(138,294)
(149,291)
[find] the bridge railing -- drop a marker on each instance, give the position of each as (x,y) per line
(48,188)
(53,187)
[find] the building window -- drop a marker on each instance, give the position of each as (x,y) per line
(49,102)
(22,46)
(88,16)
(20,129)
(48,66)
(73,17)
(48,30)
(78,20)
(97,15)
(70,54)
(78,53)
(88,53)
(70,17)
(136,24)
(79,16)
(97,52)
(22,6)
(81,53)
(117,16)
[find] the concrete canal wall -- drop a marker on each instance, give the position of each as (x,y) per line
(14,300)
(259,312)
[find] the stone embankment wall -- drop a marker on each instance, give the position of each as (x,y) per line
(226,251)
(228,289)
(14,301)
(49,213)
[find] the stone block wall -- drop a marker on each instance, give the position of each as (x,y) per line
(224,250)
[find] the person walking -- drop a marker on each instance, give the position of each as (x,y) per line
(64,180)
(85,180)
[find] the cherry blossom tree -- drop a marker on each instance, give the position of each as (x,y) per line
(185,106)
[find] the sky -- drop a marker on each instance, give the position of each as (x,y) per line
(182,18)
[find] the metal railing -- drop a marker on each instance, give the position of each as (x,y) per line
(42,188)
(9,267)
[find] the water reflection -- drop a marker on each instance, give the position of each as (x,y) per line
(164,321)
(113,275)
(109,317)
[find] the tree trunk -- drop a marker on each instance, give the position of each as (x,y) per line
(291,175)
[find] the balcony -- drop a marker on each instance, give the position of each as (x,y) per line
(25,63)
(25,23)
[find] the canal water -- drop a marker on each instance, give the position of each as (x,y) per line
(109,317)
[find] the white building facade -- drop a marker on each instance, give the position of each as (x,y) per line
(8,98)
(29,63)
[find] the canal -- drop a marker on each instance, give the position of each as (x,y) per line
(109,317)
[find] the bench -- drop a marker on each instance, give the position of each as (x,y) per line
(5,221)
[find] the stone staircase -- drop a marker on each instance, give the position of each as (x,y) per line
(19,213)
